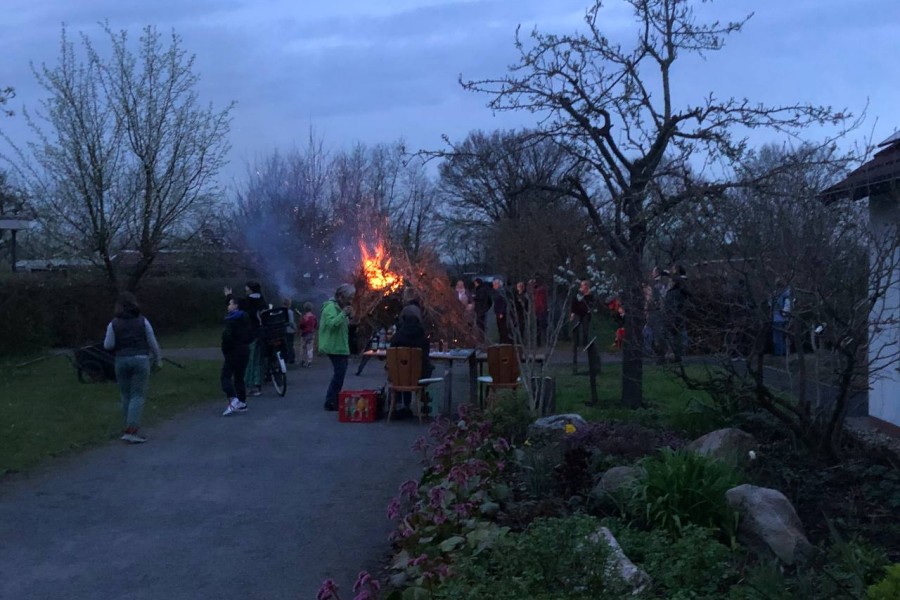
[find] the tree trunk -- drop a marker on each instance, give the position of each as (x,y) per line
(140,269)
(633,350)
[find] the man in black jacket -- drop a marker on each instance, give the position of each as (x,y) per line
(482,304)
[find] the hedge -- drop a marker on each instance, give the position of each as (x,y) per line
(39,311)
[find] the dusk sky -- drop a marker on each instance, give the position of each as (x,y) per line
(377,70)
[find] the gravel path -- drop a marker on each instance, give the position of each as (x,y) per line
(264,504)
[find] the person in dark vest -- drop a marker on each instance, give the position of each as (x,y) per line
(130,336)
(236,339)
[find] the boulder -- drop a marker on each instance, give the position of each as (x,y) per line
(554,425)
(768,519)
(615,480)
(619,565)
(730,445)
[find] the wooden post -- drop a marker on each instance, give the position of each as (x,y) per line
(593,356)
(12,249)
(576,338)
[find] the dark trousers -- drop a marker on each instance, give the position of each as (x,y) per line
(481,322)
(541,329)
(503,329)
(580,332)
(233,373)
(339,363)
(290,357)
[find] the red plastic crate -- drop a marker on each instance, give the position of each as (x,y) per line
(357,406)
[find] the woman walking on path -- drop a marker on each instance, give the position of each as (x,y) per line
(131,337)
(334,339)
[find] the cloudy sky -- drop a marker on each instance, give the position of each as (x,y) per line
(377,70)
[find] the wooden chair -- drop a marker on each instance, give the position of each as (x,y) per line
(503,369)
(404,367)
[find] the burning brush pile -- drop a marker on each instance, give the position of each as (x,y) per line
(387,279)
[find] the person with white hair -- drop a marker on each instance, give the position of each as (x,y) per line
(334,339)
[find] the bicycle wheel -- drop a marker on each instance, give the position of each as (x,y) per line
(277,372)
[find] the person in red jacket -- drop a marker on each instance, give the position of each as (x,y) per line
(539,295)
(307,326)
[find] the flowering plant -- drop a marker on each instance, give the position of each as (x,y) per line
(446,512)
(365,588)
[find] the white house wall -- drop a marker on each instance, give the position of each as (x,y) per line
(884,329)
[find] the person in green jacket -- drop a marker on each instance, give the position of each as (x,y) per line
(334,339)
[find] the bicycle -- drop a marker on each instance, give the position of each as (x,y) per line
(274,323)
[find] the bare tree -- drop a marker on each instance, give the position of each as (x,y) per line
(615,111)
(126,156)
(283,220)
(307,210)
(176,146)
(74,171)
(6,94)
(494,201)
(12,202)
(779,236)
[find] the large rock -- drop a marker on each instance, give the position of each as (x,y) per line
(619,565)
(730,445)
(768,519)
(615,480)
(555,425)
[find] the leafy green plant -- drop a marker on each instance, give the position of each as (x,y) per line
(889,587)
(510,416)
(552,559)
(693,565)
(679,488)
(842,570)
(537,467)
(447,513)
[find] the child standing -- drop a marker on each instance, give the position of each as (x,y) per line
(236,338)
(308,326)
(290,332)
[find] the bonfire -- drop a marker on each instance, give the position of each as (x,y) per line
(386,279)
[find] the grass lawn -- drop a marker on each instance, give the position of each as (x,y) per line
(666,401)
(206,336)
(47,412)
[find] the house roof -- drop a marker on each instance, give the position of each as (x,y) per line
(879,175)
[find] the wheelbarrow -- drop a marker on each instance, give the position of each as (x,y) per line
(95,364)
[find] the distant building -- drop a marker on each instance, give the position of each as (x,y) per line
(879,181)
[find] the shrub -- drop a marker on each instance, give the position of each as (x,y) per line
(445,514)
(625,441)
(509,416)
(843,570)
(552,559)
(889,587)
(693,565)
(679,488)
(537,466)
(52,311)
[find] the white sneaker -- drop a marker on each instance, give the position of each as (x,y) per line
(234,406)
(133,438)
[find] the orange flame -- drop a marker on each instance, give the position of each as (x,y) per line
(376,268)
